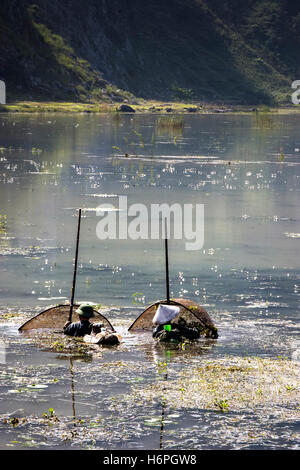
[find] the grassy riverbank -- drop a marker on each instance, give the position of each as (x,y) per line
(143,106)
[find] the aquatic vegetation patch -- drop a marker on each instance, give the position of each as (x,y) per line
(3,224)
(31,251)
(60,343)
(228,384)
(170,122)
(264,118)
(83,432)
(146,411)
(292,235)
(8,316)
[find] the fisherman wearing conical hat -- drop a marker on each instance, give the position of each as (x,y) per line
(94,333)
(83,326)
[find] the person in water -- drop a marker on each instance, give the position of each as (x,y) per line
(175,332)
(166,328)
(92,332)
(83,326)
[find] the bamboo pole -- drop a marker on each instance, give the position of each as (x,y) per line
(75,267)
(167,264)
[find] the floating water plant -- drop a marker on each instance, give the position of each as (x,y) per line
(36,150)
(140,137)
(14,421)
(222,405)
(290,388)
(3,224)
(263,118)
(246,383)
(281,156)
(49,414)
(162,367)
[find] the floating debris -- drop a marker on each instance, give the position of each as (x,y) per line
(292,235)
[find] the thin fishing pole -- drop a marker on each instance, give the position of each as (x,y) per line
(75,266)
(167,264)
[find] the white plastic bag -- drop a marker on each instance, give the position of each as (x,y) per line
(165,313)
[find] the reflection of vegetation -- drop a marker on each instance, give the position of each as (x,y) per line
(3,224)
(3,232)
(264,118)
(140,137)
(129,147)
(281,156)
(174,122)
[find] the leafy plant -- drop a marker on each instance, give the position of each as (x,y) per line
(162,367)
(281,155)
(14,421)
(222,405)
(49,414)
(290,388)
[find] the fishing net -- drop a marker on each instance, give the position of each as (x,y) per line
(56,317)
(191,312)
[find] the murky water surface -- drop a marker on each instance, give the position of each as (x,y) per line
(246,172)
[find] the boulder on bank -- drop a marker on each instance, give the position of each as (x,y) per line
(125,108)
(191,110)
(220,110)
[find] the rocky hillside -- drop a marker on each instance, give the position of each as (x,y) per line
(207,50)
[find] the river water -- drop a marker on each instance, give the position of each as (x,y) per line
(245,170)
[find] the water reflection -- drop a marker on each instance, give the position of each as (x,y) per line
(73,391)
(163,411)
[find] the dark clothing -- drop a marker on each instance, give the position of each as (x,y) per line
(177,333)
(79,328)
